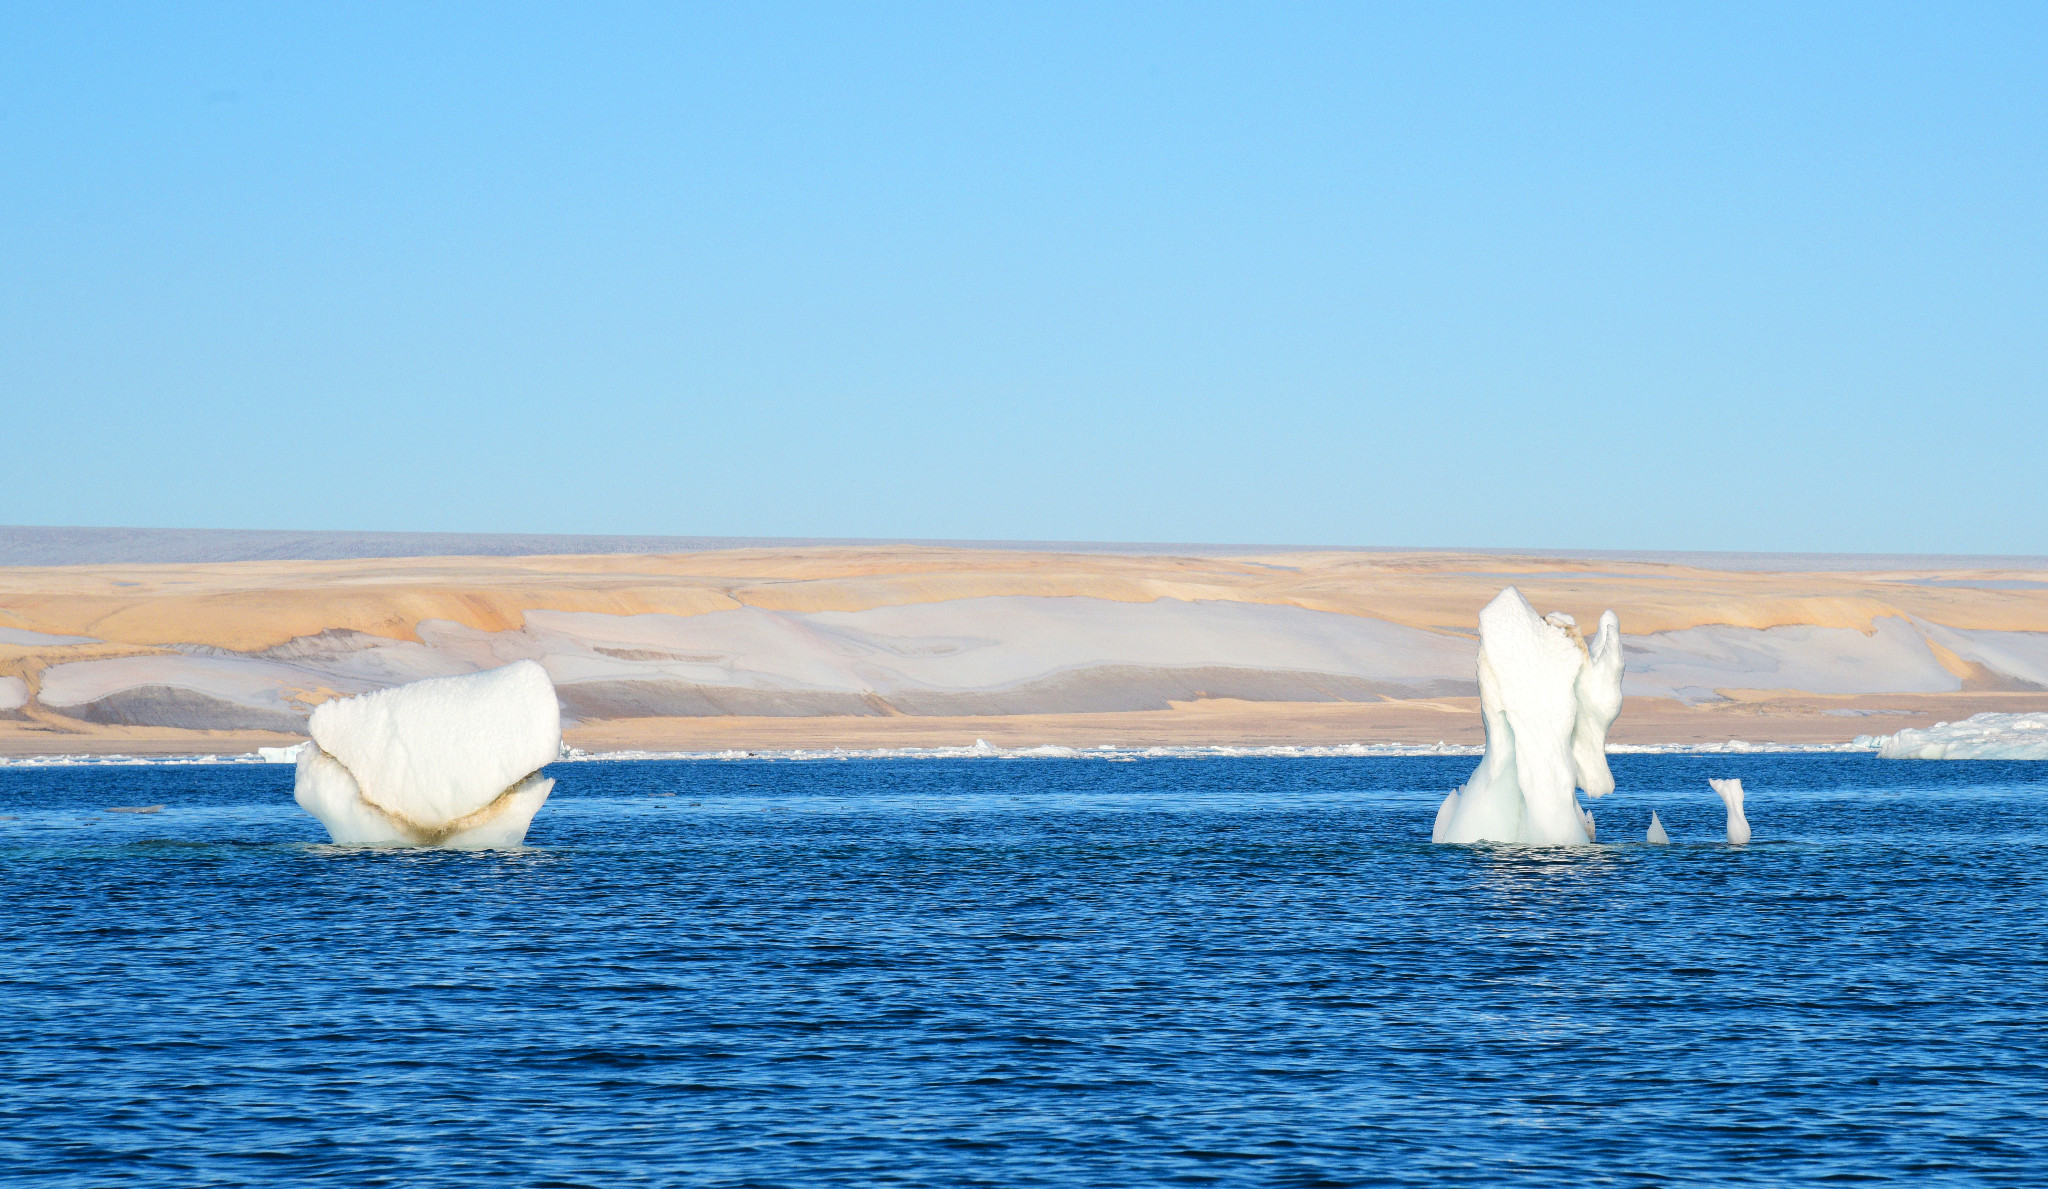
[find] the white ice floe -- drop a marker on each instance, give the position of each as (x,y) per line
(1547,700)
(1737,747)
(1979,737)
(1656,835)
(1730,792)
(282,755)
(449,761)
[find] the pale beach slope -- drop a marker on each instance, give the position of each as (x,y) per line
(904,645)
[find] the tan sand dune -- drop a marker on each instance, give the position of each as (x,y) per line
(846,645)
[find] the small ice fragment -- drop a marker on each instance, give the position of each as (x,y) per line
(1657,834)
(1731,796)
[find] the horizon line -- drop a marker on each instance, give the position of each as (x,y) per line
(27,546)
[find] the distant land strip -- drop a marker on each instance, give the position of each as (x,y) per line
(31,545)
(835,644)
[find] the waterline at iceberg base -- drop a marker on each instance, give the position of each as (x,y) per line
(450,761)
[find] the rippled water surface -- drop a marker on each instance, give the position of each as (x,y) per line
(1015,973)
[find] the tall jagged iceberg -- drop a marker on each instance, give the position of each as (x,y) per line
(450,761)
(1548,700)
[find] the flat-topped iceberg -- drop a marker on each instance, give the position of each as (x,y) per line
(450,761)
(1979,737)
(1548,700)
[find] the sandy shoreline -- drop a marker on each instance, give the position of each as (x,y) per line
(1795,719)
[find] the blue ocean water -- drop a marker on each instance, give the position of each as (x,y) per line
(1239,971)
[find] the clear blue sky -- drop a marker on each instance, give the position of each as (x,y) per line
(1630,276)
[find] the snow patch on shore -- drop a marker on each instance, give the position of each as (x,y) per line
(1691,663)
(22,637)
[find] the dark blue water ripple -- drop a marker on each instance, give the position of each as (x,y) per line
(1017,973)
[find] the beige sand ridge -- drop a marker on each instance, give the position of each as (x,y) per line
(241,608)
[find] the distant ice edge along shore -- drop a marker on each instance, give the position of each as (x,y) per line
(984,750)
(1981,737)
(1988,736)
